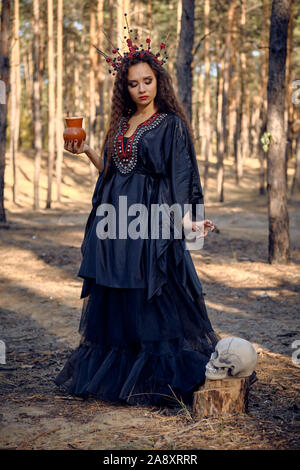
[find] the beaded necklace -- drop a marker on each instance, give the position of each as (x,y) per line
(125,157)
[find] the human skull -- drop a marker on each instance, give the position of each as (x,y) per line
(232,357)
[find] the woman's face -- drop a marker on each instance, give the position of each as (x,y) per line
(141,82)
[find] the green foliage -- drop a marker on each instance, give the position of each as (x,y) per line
(266,139)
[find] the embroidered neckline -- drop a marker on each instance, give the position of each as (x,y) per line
(125,159)
(132,136)
(147,121)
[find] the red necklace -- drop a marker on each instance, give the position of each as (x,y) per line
(125,157)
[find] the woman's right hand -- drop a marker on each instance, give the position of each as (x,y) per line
(72,146)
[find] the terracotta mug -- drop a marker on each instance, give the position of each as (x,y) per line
(74,129)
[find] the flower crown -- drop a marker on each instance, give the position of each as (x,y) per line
(134,51)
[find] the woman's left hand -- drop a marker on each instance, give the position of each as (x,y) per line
(201,226)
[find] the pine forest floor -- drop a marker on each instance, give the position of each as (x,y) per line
(41,307)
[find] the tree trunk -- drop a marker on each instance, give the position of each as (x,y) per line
(28,75)
(227,71)
(149,14)
(100,73)
(178,29)
(139,19)
(51,103)
(92,84)
(18,76)
(42,53)
(120,24)
(256,121)
(232,111)
(59,106)
(264,59)
(237,135)
(289,80)
(15,99)
(170,66)
(77,80)
(185,56)
(220,141)
(296,180)
(69,72)
(206,141)
(245,95)
(126,9)
(279,243)
(224,397)
(76,70)
(36,105)
(179,16)
(241,125)
(197,111)
(4,92)
(114,35)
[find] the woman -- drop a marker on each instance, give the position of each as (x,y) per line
(145,333)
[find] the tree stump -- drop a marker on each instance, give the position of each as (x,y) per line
(222,397)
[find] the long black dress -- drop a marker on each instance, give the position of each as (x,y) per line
(145,333)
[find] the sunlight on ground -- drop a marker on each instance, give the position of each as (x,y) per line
(245,297)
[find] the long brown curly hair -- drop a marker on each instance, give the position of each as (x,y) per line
(165,100)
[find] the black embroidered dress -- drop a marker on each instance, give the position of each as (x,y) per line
(145,333)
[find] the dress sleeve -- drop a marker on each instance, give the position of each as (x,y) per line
(96,198)
(184,173)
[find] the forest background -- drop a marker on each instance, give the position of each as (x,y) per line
(235,66)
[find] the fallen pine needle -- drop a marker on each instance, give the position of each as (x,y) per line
(68,398)
(37,437)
